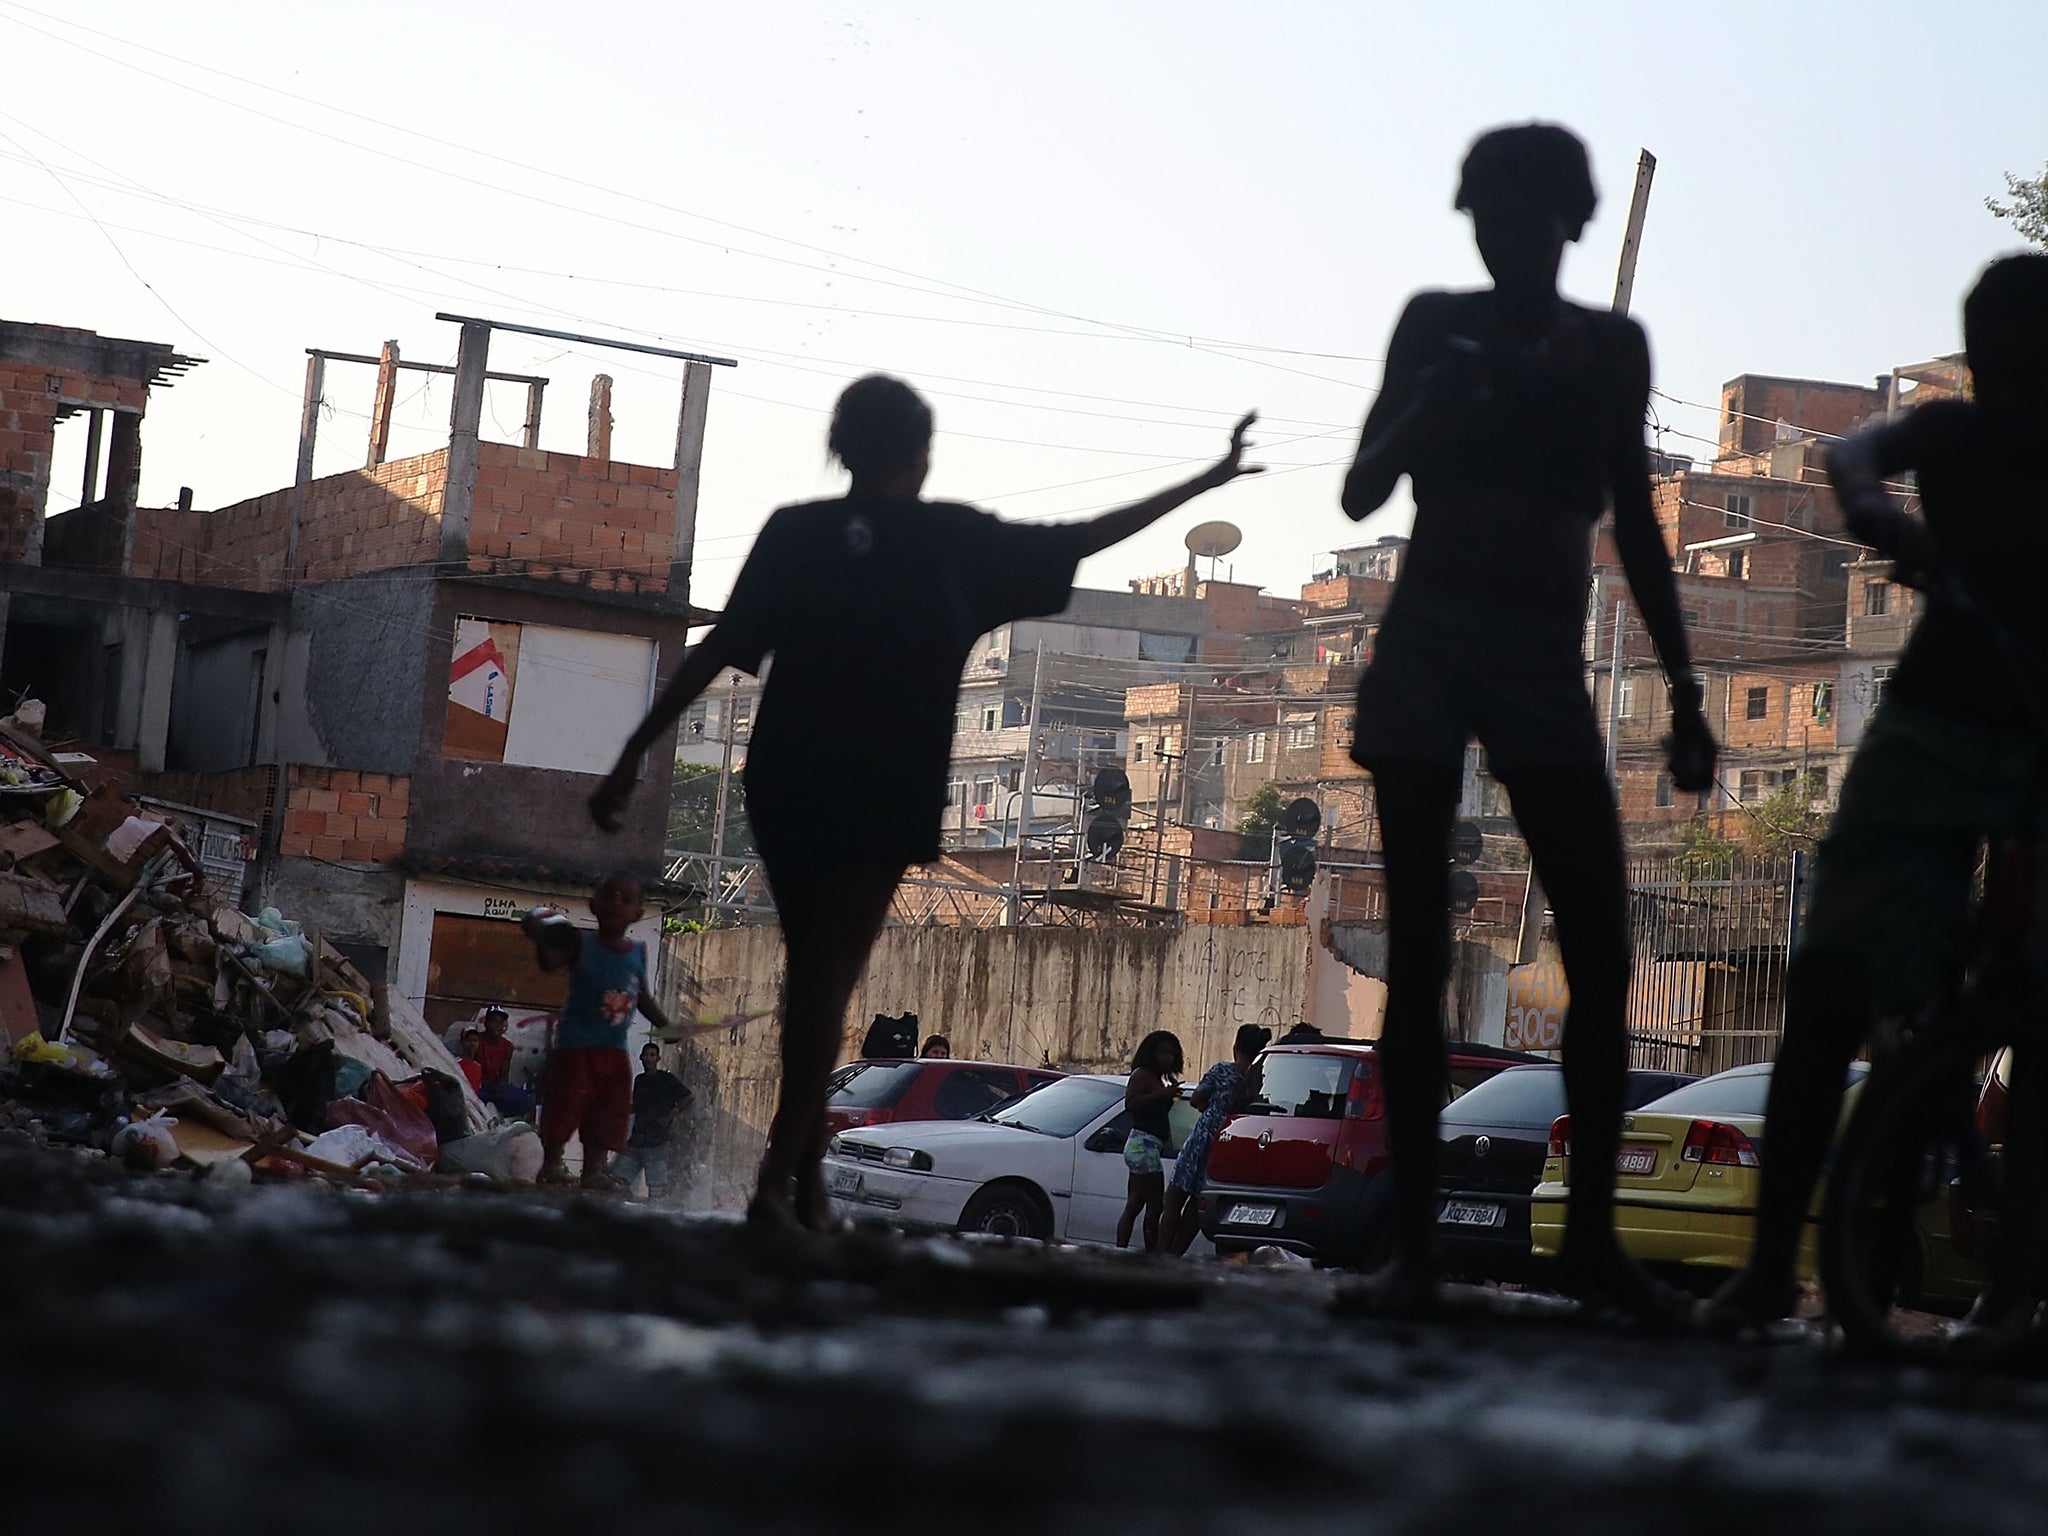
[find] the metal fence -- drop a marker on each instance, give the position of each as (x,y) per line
(1711,940)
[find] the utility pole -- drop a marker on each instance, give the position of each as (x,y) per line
(1632,241)
(732,704)
(1024,788)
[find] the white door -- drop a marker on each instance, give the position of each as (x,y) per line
(1100,1179)
(1102,1182)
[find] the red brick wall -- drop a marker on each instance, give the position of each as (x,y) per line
(30,394)
(604,525)
(1816,407)
(363,520)
(337,813)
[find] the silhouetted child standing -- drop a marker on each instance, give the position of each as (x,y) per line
(869,604)
(587,1088)
(1948,760)
(1517,417)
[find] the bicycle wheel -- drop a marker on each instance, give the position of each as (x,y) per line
(1909,1206)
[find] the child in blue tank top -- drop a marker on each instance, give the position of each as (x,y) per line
(587,1087)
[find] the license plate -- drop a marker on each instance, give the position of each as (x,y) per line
(1252,1215)
(845,1181)
(1636,1160)
(1473,1213)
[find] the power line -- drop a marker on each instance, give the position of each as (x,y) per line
(960,290)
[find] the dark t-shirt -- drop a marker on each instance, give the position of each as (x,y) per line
(870,608)
(657,1095)
(1984,507)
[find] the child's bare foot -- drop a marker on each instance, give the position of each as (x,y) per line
(812,1206)
(774,1206)
(1747,1304)
(1603,1278)
(554,1171)
(1400,1288)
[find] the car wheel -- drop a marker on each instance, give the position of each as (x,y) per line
(1007,1210)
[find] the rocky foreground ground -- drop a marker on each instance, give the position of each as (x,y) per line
(188,1358)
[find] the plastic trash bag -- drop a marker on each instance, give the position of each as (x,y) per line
(393,1118)
(146,1144)
(511,1153)
(348,1146)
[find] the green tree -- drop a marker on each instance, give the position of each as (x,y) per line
(1705,854)
(2028,210)
(1262,819)
(693,812)
(1785,820)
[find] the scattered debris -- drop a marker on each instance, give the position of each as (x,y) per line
(143,1018)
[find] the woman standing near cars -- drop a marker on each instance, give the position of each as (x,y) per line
(1149,1095)
(1224,1089)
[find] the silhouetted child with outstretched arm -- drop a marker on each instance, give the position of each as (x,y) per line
(869,604)
(587,1085)
(1949,758)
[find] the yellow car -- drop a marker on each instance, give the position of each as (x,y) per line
(1686,1177)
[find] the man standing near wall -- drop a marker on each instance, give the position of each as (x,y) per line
(659,1097)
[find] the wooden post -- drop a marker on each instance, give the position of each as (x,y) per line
(309,430)
(465,419)
(598,436)
(1632,242)
(689,471)
(533,393)
(380,412)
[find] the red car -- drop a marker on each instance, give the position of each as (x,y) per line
(1304,1167)
(878,1092)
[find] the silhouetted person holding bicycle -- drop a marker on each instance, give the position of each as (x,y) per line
(869,604)
(1518,418)
(1950,758)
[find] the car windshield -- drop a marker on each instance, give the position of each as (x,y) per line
(1519,1096)
(1062,1108)
(1303,1085)
(872,1084)
(1728,1093)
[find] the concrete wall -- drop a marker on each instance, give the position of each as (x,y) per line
(1079,998)
(346,703)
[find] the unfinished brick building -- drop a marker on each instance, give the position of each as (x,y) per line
(402,679)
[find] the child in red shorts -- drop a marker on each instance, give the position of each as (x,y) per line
(587,1089)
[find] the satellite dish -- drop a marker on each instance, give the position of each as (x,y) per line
(1464,891)
(1111,789)
(1468,844)
(1212,540)
(1301,818)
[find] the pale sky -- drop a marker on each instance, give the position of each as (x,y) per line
(1092,232)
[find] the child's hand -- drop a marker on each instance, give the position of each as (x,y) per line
(608,801)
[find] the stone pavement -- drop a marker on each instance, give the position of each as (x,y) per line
(184,1358)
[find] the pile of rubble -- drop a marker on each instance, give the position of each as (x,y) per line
(142,1015)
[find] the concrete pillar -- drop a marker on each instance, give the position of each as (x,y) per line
(124,485)
(598,435)
(380,409)
(159,671)
(465,420)
(689,473)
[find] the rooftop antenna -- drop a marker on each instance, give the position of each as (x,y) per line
(1211,541)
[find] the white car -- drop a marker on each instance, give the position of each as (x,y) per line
(1049,1165)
